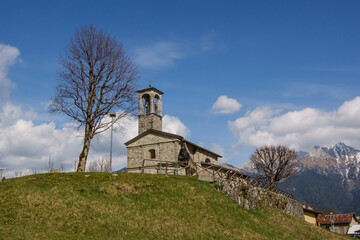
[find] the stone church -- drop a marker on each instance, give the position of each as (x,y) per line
(156,151)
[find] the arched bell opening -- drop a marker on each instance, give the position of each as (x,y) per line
(156,104)
(146,104)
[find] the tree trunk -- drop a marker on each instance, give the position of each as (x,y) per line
(271,173)
(272,183)
(85,151)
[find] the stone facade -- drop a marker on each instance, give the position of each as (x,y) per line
(149,109)
(250,197)
(165,147)
(149,121)
(157,147)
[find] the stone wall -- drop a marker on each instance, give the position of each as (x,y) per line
(149,121)
(166,147)
(250,197)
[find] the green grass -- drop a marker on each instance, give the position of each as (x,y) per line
(131,206)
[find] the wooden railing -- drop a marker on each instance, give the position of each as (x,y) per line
(232,174)
(166,167)
(213,170)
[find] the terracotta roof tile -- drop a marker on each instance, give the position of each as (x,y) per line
(336,218)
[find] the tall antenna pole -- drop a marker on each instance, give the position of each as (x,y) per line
(112,115)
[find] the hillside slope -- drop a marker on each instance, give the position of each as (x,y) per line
(131,206)
(329,178)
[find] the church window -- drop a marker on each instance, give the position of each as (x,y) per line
(207,160)
(152,154)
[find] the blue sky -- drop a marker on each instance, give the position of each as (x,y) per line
(288,72)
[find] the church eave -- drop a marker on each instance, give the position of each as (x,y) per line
(169,135)
(150,89)
(153,131)
(195,145)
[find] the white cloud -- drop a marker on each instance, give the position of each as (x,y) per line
(11,113)
(225,105)
(158,55)
(301,129)
(8,57)
(27,146)
(217,149)
(174,125)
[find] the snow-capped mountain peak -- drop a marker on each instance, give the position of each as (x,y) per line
(339,159)
(329,177)
(342,150)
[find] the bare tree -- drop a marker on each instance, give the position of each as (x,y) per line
(274,163)
(19,173)
(50,165)
(96,78)
(99,165)
(62,167)
(93,166)
(75,161)
(34,170)
(104,165)
(2,167)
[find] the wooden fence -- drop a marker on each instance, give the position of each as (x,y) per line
(213,171)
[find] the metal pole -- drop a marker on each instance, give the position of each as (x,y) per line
(111,145)
(331,222)
(112,115)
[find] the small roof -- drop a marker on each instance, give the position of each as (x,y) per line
(310,210)
(354,229)
(169,135)
(336,218)
(150,88)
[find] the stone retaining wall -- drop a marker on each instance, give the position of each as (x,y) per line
(250,197)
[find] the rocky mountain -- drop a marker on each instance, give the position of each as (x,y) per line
(340,159)
(329,178)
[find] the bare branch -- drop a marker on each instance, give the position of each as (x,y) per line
(274,163)
(96,78)
(99,165)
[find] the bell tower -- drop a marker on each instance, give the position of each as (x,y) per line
(149,109)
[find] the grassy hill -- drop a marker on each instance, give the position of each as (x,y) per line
(131,206)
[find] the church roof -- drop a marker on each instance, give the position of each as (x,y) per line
(150,88)
(311,211)
(168,135)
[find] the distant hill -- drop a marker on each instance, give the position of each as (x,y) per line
(329,178)
(131,206)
